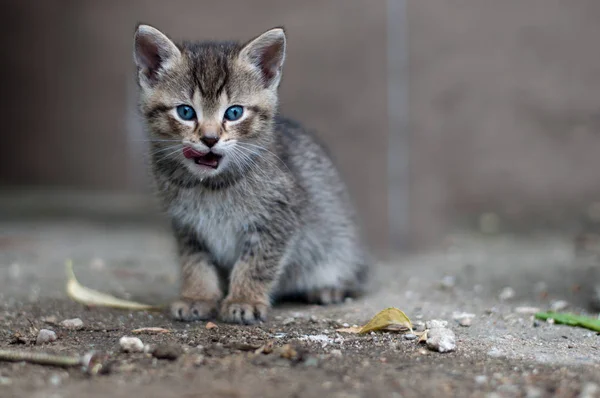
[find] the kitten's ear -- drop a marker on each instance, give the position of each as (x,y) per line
(153,52)
(267,53)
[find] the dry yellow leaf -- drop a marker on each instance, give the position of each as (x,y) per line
(390,319)
(91,297)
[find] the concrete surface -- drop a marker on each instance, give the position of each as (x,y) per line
(137,261)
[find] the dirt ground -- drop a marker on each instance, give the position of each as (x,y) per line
(503,353)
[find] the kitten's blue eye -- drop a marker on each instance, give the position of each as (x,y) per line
(234,113)
(186,112)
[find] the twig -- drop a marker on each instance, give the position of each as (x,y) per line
(91,362)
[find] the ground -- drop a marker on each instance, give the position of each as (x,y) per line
(502,353)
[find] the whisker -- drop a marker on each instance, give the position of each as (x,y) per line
(266,150)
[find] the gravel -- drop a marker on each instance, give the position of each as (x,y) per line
(73,324)
(131,344)
(45,336)
(441,340)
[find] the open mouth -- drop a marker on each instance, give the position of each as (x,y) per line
(207,159)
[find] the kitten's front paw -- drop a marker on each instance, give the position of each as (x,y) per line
(235,311)
(193,310)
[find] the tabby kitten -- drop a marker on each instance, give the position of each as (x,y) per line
(258,209)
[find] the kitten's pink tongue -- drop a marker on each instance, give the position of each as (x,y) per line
(191,153)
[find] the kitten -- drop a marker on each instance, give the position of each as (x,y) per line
(258,209)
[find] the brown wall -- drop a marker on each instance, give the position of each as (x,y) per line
(505,111)
(504,98)
(70,76)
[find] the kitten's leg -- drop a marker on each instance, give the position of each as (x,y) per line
(253,277)
(200,286)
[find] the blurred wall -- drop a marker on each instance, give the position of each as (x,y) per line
(503,99)
(504,112)
(69,97)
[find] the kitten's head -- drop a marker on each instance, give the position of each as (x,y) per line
(209,106)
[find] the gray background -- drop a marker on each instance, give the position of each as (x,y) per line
(466,107)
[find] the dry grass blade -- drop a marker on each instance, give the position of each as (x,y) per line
(90,297)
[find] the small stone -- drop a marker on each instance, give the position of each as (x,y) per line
(52,319)
(495,353)
(288,321)
(559,305)
(167,351)
(509,390)
(481,379)
(336,353)
(409,336)
(45,336)
(314,319)
(211,325)
(463,318)
(589,390)
(507,293)
(436,324)
(346,325)
(311,362)
(441,340)
(5,381)
(131,344)
(533,392)
(527,310)
(73,324)
(448,282)
(536,323)
(418,326)
(550,321)
(55,380)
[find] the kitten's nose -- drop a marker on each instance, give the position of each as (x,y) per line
(209,140)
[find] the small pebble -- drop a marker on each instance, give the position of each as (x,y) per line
(463,318)
(536,323)
(589,390)
(5,381)
(559,305)
(441,340)
(45,336)
(73,324)
(481,379)
(288,321)
(211,325)
(167,351)
(336,353)
(533,392)
(435,324)
(418,326)
(409,336)
(448,282)
(495,353)
(507,293)
(52,319)
(527,310)
(55,380)
(131,344)
(311,362)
